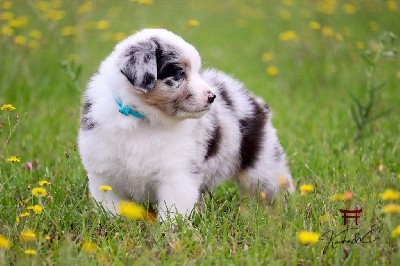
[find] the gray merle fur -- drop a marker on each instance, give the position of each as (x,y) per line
(87,122)
(140,68)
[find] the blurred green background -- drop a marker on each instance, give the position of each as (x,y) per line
(303,57)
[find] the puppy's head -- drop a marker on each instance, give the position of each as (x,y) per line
(163,71)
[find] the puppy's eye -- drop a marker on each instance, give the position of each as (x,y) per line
(180,75)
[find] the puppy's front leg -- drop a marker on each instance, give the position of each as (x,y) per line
(108,199)
(177,195)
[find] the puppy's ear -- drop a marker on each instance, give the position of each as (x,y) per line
(140,65)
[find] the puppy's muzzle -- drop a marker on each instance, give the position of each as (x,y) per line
(211,97)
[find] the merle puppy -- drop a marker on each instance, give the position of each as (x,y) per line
(157,127)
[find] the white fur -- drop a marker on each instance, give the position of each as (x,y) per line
(161,158)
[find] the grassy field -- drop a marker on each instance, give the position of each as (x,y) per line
(303,57)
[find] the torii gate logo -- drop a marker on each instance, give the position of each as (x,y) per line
(354,214)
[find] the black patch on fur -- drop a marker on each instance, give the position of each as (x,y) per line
(148,81)
(252,129)
(168,70)
(146,58)
(169,82)
(87,106)
(87,123)
(213,143)
(224,93)
(167,60)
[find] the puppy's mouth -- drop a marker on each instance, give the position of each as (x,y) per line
(194,113)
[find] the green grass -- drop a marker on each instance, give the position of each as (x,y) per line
(310,98)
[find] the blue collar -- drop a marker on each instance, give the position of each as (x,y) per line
(126,110)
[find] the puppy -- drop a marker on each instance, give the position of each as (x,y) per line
(156,127)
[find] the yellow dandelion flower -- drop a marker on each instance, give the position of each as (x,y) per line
(315,25)
(396,232)
(37,209)
(19,40)
(360,45)
(44,183)
(325,218)
(13,159)
(17,220)
(89,247)
(7,30)
(349,9)
(326,6)
(339,37)
(336,197)
(105,188)
(143,2)
(389,194)
(132,211)
(272,70)
(41,5)
(287,2)
(102,25)
(285,15)
(7,107)
(47,238)
(25,214)
(68,31)
(35,34)
(288,36)
(55,15)
(4,242)
(348,195)
(119,36)
(306,237)
(39,192)
(30,252)
(307,187)
(192,23)
(267,57)
(19,22)
(6,16)
(392,5)
(27,236)
(392,208)
(327,31)
(6,5)
(85,7)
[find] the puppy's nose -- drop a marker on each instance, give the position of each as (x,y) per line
(211,97)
